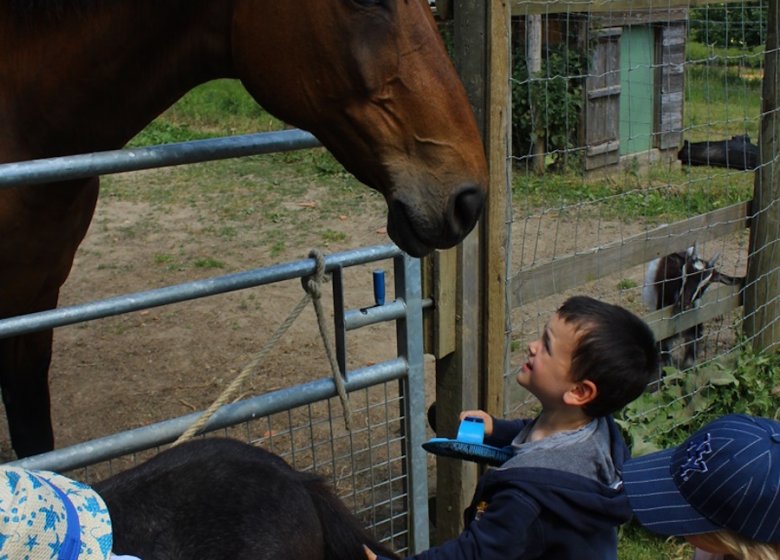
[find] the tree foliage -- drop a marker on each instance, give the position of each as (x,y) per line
(547,105)
(740,24)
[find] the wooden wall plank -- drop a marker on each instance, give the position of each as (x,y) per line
(523,7)
(570,271)
(439,323)
(672,60)
(716,301)
(602,105)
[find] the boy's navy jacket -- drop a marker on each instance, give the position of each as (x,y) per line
(532,512)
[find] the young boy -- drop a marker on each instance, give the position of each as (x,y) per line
(559,497)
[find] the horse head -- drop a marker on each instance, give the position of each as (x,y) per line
(372,80)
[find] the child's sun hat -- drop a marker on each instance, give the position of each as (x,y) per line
(725,476)
(46,516)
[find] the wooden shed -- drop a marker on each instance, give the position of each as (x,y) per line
(634,91)
(632,110)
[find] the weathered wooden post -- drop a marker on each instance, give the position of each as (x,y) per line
(762,290)
(468,283)
(533,54)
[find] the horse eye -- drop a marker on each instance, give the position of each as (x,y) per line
(370,3)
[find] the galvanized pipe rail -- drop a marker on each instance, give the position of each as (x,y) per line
(139,301)
(148,437)
(63,168)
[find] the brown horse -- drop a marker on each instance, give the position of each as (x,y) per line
(370,78)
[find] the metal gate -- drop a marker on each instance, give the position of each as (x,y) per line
(378,467)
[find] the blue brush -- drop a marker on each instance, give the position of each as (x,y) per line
(468,445)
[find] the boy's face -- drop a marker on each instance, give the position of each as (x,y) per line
(546,373)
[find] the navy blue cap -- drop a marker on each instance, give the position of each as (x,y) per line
(726,475)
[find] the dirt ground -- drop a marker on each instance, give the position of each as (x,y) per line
(123,372)
(127,371)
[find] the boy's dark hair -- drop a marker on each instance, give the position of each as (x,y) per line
(616,350)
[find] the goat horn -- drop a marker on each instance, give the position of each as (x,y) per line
(713,260)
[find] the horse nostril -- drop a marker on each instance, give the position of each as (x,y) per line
(466,208)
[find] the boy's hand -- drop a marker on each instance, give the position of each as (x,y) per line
(486,418)
(369,553)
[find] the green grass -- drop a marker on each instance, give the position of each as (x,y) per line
(208,262)
(218,108)
(659,196)
(239,191)
(635,543)
(721,101)
(701,53)
(722,91)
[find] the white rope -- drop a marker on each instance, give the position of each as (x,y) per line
(313,288)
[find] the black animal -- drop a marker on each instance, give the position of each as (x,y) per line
(219,498)
(737,153)
(680,279)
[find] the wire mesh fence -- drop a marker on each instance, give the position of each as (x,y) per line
(635,136)
(366,467)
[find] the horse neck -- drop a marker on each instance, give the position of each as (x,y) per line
(91,80)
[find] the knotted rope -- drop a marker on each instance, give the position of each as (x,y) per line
(312,285)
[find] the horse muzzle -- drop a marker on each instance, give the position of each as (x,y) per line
(418,229)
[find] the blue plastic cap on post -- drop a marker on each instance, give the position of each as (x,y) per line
(379,287)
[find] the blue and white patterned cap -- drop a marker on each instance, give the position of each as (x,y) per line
(46,516)
(725,476)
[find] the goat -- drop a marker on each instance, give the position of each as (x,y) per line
(680,279)
(218,498)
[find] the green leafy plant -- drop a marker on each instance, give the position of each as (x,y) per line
(742,382)
(547,105)
(730,25)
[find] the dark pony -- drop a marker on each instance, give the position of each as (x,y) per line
(735,153)
(371,79)
(218,498)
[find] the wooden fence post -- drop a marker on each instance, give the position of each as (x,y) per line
(762,290)
(470,363)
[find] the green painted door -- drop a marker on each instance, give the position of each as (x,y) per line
(637,89)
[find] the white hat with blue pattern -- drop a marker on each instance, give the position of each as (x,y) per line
(46,516)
